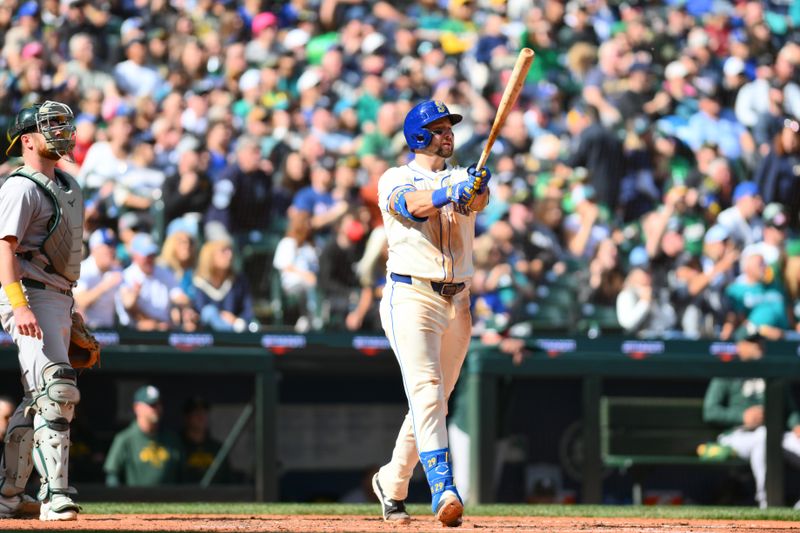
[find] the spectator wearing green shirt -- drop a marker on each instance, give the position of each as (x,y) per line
(143,454)
(757,307)
(376,142)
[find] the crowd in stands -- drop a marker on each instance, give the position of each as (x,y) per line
(646,181)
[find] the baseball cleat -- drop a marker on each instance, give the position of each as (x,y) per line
(450,509)
(10,505)
(393,510)
(59,507)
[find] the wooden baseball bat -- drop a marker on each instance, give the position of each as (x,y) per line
(510,94)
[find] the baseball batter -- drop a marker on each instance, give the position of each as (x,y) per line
(739,404)
(41,220)
(428,208)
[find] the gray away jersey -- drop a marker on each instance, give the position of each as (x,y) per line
(25,210)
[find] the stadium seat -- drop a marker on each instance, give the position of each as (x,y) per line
(599,319)
(575,265)
(566,280)
(548,317)
(557,295)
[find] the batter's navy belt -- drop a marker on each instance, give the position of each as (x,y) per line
(36,284)
(445,289)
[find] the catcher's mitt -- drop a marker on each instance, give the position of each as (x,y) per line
(84,350)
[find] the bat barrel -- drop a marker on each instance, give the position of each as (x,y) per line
(510,95)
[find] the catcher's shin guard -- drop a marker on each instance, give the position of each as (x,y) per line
(55,409)
(446,504)
(17,462)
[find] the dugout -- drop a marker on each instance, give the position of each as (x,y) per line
(325,409)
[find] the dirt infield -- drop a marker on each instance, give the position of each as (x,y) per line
(369,524)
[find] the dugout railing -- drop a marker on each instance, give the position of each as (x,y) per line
(268,360)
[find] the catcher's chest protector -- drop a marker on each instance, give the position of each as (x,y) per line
(63,246)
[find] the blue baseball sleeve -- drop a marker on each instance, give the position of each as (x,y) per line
(401,207)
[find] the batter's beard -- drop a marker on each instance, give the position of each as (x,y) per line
(444,152)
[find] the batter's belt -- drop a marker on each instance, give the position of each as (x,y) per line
(445,289)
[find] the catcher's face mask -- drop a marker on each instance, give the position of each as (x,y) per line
(54,122)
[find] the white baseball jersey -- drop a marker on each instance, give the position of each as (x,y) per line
(429,333)
(439,249)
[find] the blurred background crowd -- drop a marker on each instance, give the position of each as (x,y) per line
(647,182)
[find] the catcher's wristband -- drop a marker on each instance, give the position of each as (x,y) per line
(15,295)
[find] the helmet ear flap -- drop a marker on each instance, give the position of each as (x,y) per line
(423,138)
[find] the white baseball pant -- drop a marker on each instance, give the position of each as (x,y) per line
(751,445)
(430,335)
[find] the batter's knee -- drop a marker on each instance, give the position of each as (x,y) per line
(430,384)
(428,392)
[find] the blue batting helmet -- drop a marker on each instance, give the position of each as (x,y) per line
(420,116)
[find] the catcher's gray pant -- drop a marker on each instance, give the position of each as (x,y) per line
(752,446)
(53,313)
(430,335)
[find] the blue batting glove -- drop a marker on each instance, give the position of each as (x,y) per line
(479,178)
(461,193)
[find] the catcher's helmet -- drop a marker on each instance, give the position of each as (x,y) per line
(420,116)
(51,119)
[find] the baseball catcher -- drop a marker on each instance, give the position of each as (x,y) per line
(41,227)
